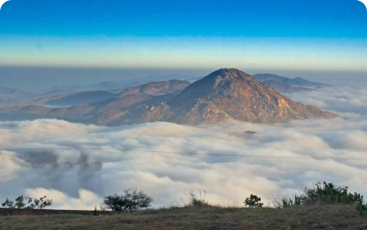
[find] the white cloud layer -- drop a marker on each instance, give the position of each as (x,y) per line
(76,165)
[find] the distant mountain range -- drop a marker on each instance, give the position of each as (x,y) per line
(297,82)
(123,83)
(88,97)
(78,95)
(283,88)
(8,93)
(224,94)
(16,97)
(82,98)
(156,88)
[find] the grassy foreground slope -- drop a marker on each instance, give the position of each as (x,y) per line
(310,217)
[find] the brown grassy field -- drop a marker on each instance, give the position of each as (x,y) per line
(325,217)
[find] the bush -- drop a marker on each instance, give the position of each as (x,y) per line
(131,200)
(198,202)
(25,202)
(362,209)
(328,193)
(286,202)
(253,201)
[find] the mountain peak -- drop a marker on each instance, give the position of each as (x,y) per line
(227,70)
(229,74)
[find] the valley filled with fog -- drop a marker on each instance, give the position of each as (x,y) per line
(76,165)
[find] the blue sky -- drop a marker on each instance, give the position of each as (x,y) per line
(261,34)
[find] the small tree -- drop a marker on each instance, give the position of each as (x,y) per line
(42,203)
(8,203)
(253,201)
(20,202)
(131,200)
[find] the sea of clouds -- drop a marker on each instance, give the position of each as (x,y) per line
(77,165)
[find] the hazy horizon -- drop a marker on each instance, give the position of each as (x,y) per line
(45,78)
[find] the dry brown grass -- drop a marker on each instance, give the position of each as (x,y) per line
(326,217)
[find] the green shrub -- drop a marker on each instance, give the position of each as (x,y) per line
(131,200)
(328,193)
(325,194)
(286,202)
(362,209)
(253,201)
